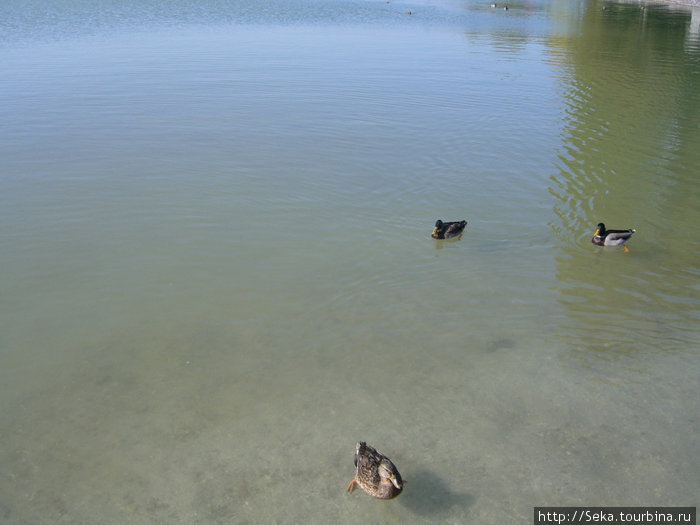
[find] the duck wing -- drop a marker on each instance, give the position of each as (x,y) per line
(617,237)
(367,464)
(454,228)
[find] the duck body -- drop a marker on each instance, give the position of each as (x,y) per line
(448,230)
(603,237)
(375,473)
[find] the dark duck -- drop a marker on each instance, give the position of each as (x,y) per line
(448,230)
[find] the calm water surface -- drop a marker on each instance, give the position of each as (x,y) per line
(217,273)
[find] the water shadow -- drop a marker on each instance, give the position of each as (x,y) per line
(427,494)
(500,344)
(439,244)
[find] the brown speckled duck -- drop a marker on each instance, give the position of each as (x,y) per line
(375,473)
(448,230)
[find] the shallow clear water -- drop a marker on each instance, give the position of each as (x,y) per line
(217,270)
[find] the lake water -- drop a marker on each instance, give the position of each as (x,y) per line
(217,273)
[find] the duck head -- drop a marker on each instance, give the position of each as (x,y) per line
(600,230)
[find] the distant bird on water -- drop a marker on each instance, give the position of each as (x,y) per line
(448,230)
(603,237)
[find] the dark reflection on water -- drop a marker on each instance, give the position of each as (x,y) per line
(629,157)
(428,494)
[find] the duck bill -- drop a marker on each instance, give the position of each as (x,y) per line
(435,231)
(597,232)
(395,482)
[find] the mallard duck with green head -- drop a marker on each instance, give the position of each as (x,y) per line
(375,473)
(603,237)
(448,230)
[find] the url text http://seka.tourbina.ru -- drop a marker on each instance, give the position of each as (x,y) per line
(614,515)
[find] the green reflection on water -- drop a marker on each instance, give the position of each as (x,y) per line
(630,158)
